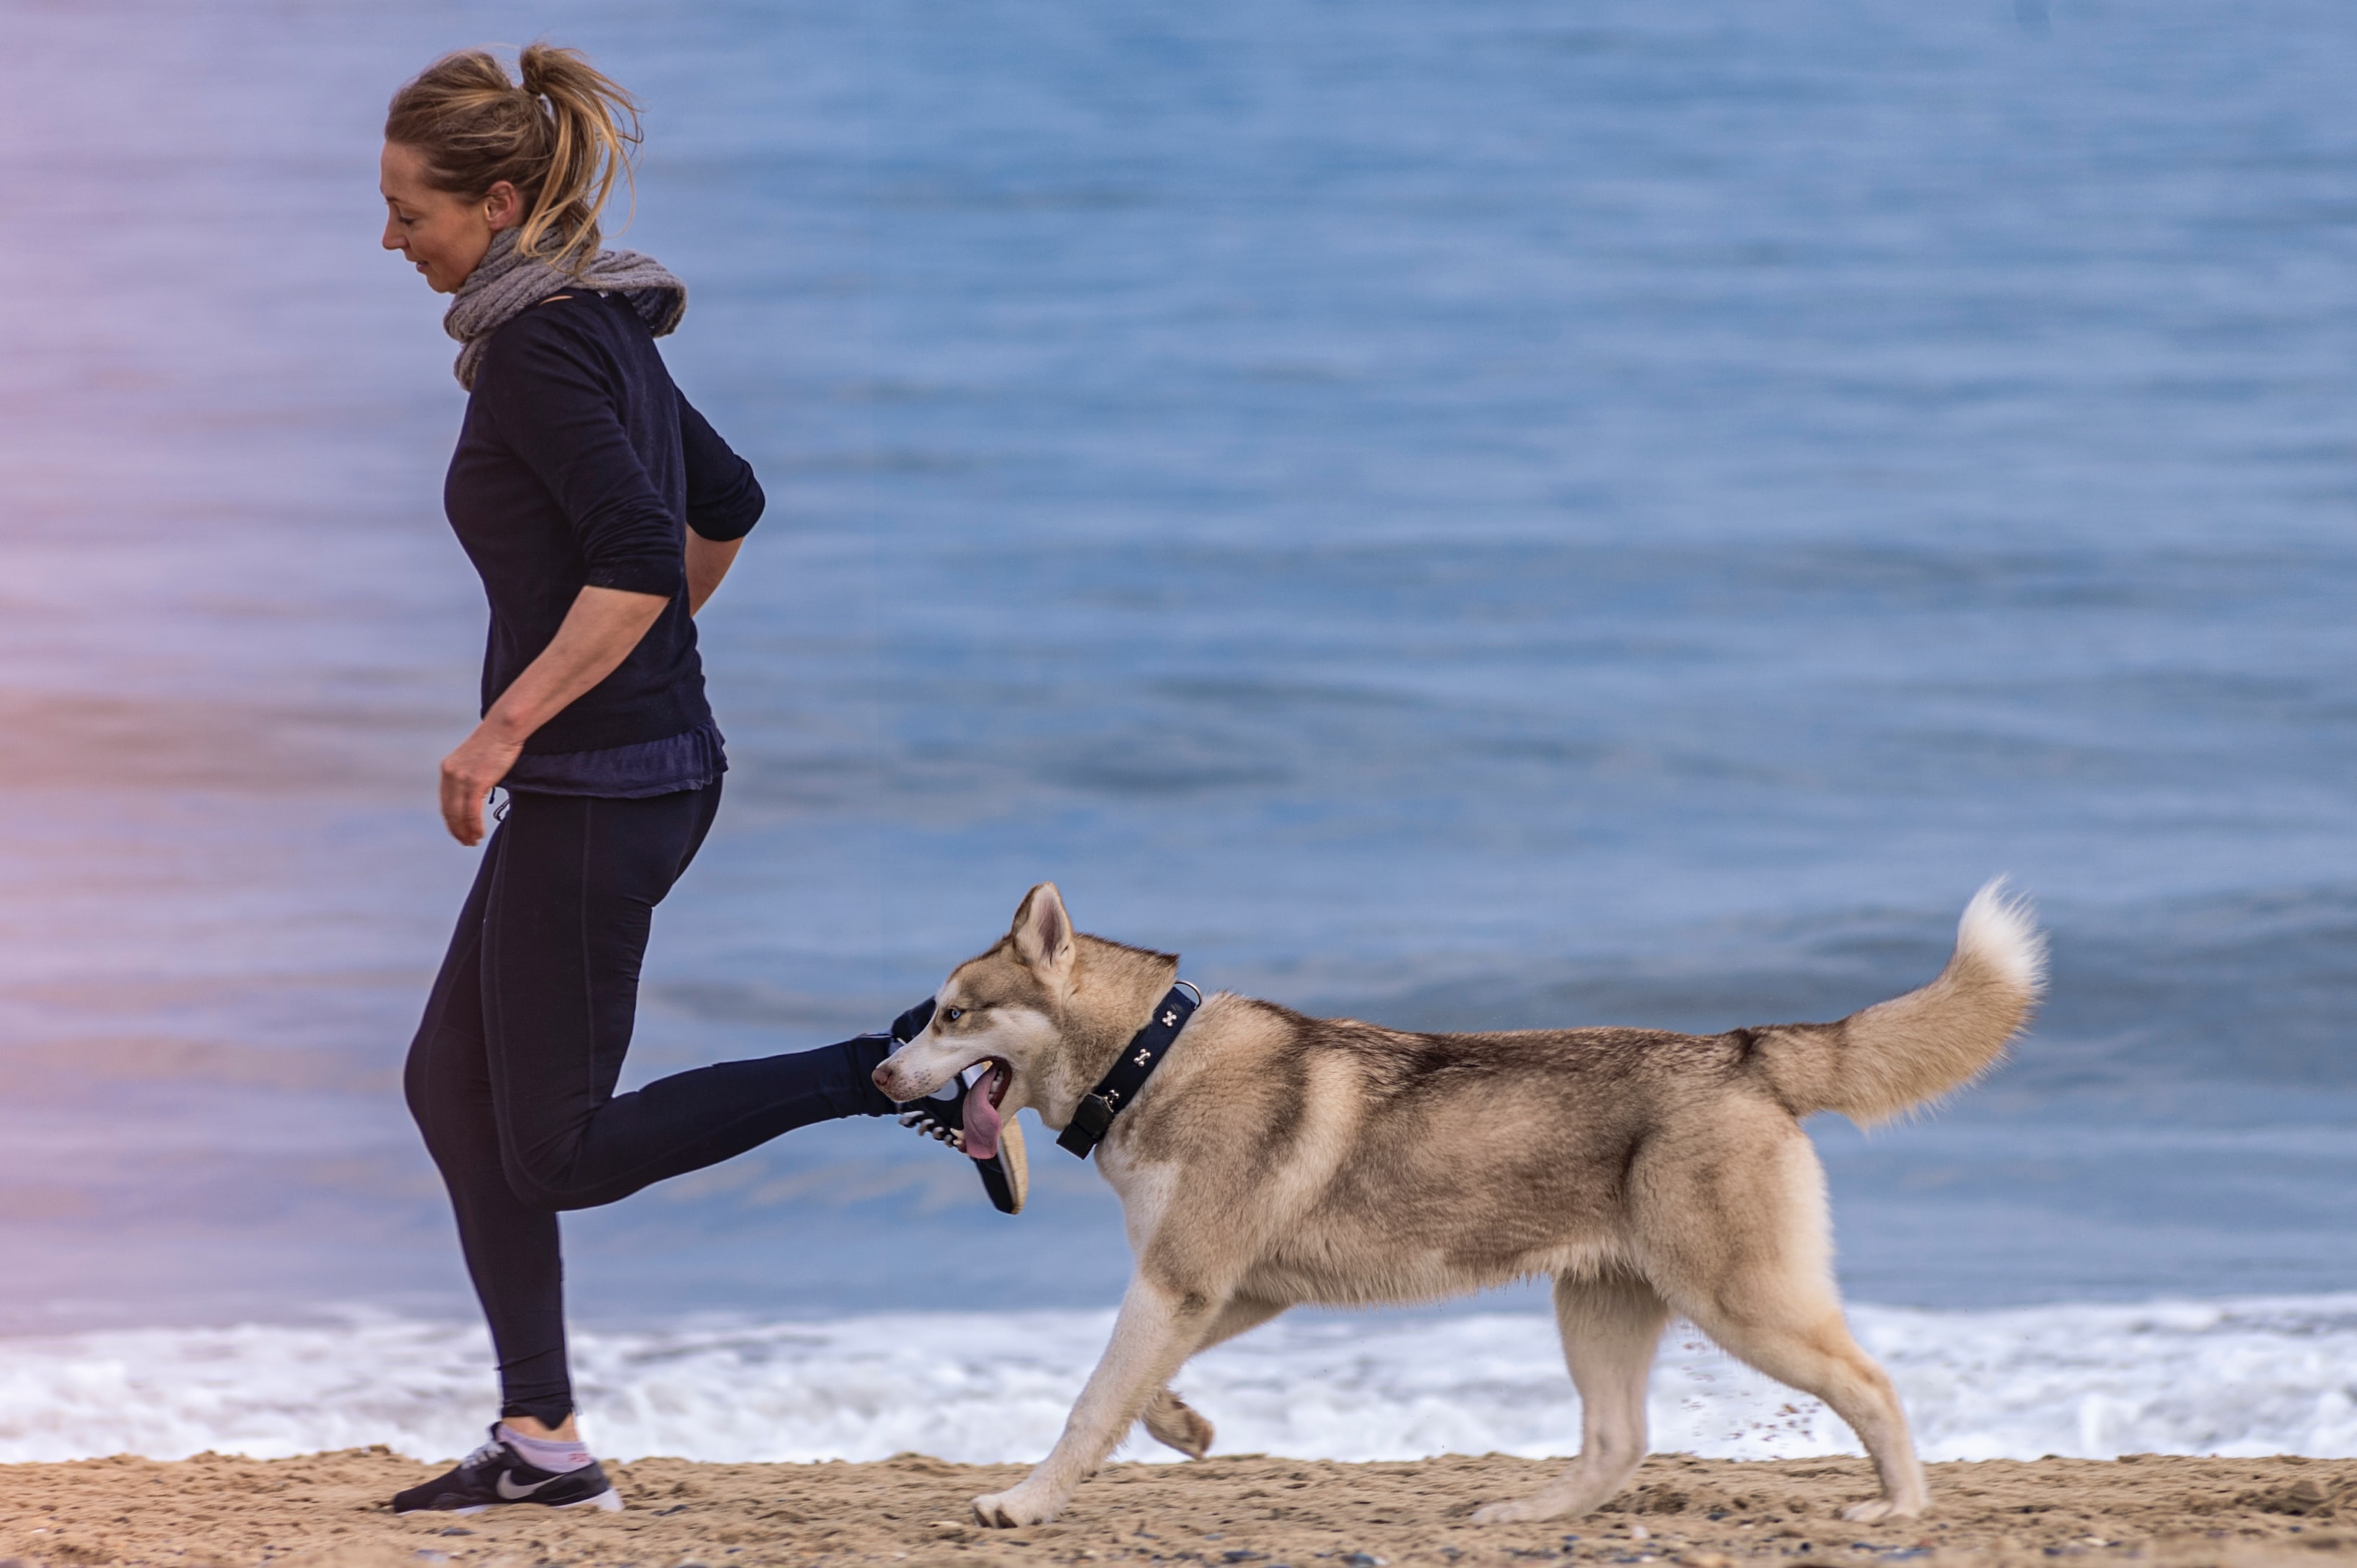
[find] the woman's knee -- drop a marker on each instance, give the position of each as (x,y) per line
(450,1097)
(424,1083)
(544,1182)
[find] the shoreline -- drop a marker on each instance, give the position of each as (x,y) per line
(1244,1510)
(2240,1375)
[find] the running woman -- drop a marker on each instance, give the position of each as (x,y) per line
(601,512)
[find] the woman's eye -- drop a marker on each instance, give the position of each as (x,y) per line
(952,1015)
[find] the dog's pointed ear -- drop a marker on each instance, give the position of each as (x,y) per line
(1042,931)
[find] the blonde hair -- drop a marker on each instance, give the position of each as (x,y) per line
(562,138)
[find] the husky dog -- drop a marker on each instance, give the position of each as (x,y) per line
(1274,1159)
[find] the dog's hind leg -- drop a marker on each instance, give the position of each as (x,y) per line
(1762,1287)
(1610,1326)
(1800,1340)
(1159,1329)
(1174,1423)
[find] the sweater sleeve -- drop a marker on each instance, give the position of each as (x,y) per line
(548,394)
(724,498)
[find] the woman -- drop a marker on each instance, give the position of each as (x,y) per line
(601,512)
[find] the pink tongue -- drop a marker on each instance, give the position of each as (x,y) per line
(981,1119)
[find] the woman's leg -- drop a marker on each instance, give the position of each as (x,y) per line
(510,1247)
(565,927)
(597,874)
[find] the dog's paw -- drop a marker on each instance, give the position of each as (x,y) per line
(1015,1507)
(1173,1422)
(1874,1510)
(1514,1510)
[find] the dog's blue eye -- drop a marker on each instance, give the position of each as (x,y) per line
(953,1015)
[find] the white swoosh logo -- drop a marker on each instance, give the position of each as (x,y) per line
(515,1493)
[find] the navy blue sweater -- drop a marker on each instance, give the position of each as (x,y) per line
(577,466)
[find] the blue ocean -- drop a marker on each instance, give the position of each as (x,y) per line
(1486,515)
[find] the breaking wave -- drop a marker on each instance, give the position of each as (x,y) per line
(2236,1378)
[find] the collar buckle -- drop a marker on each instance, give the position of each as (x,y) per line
(1091,1119)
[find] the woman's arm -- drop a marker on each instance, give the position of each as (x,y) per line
(708,561)
(599,631)
(723,502)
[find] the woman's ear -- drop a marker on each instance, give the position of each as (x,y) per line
(502,205)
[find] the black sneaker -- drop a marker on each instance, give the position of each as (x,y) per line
(1006,1173)
(496,1474)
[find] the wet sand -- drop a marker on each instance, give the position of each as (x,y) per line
(1247,1511)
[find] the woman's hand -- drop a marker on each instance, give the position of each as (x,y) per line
(599,633)
(481,760)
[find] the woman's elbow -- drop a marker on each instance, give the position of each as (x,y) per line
(657,579)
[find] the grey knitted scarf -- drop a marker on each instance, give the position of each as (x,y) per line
(504,284)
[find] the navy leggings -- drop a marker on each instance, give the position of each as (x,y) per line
(512,1075)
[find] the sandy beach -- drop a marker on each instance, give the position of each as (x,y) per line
(1248,1510)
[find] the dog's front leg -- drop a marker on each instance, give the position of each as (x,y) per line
(1157,1330)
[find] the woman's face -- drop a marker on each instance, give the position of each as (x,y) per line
(442,234)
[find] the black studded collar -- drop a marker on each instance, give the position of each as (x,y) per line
(1093,1118)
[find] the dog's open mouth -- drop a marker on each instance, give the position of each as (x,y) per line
(982,1109)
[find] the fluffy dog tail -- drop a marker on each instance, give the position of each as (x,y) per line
(1911,1050)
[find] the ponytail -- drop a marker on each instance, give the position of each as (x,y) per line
(563,139)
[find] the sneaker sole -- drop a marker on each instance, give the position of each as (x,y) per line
(1016,1163)
(607,1501)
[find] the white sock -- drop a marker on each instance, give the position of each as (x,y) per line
(552,1454)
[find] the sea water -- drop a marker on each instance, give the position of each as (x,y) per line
(2239,1378)
(1478,516)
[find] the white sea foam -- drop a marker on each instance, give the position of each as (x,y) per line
(2243,1377)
